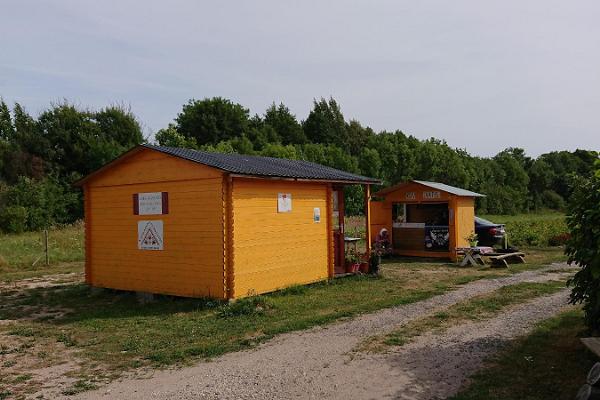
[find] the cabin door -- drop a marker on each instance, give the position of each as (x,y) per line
(338,230)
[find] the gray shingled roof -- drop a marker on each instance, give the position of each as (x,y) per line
(450,189)
(268,167)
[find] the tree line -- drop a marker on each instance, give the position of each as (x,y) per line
(41,156)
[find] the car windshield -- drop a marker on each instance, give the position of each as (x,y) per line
(482,221)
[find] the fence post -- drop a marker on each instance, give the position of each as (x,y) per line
(46,246)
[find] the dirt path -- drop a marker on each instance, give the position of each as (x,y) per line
(319,363)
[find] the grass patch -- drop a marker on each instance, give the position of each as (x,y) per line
(19,251)
(551,363)
(477,308)
(81,385)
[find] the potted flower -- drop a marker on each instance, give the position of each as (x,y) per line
(472,238)
(352,261)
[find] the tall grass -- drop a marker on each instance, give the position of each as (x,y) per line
(20,251)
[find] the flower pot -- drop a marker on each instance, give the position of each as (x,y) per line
(352,268)
(364,267)
(348,267)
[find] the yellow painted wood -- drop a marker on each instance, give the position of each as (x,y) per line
(274,250)
(192,262)
(460,224)
(381,217)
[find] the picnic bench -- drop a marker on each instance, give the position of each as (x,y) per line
(590,390)
(502,259)
(477,256)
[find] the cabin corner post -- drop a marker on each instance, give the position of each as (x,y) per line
(453,229)
(87,218)
(330,245)
(368,220)
(228,237)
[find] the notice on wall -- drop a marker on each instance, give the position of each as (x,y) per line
(284,202)
(150,235)
(431,195)
(152,203)
(317,215)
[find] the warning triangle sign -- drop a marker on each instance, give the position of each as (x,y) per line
(150,236)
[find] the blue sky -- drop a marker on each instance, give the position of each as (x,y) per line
(483,75)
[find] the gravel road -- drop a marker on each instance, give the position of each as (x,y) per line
(319,363)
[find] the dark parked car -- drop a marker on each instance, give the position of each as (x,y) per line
(489,233)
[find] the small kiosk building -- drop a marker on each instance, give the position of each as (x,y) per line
(190,223)
(426,219)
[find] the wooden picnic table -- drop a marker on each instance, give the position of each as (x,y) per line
(477,256)
(473,255)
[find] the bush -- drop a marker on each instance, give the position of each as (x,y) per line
(583,248)
(553,200)
(13,219)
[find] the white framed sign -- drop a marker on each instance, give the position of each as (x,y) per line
(284,202)
(150,235)
(151,203)
(316,215)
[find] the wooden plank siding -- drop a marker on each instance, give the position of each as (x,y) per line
(465,219)
(460,224)
(274,250)
(192,262)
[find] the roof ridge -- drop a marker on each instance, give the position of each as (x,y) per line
(256,165)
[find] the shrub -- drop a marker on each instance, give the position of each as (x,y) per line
(13,219)
(583,248)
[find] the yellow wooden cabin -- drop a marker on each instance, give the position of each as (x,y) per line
(190,223)
(425,219)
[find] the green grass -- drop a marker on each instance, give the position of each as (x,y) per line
(18,252)
(551,363)
(476,308)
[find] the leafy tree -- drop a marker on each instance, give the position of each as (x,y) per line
(7,129)
(325,123)
(583,248)
(285,124)
(280,151)
(119,125)
(171,138)
(82,141)
(369,162)
(357,137)
(212,120)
